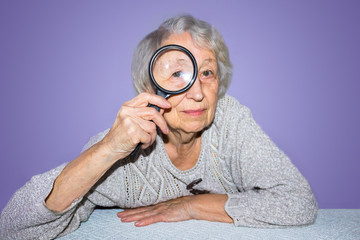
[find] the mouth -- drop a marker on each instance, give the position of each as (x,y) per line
(194,112)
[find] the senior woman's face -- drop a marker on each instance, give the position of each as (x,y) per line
(194,110)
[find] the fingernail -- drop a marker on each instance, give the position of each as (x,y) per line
(138,224)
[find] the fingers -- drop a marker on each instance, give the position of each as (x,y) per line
(132,216)
(140,105)
(150,220)
(143,217)
(143,99)
(151,114)
(148,133)
(133,211)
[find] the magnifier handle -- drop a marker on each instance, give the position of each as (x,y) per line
(154,106)
(133,153)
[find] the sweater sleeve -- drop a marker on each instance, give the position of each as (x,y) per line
(271,190)
(27,217)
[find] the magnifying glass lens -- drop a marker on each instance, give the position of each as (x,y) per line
(173,70)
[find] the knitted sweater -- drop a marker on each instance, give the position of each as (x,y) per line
(237,158)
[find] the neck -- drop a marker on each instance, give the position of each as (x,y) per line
(183,148)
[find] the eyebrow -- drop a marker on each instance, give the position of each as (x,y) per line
(207,61)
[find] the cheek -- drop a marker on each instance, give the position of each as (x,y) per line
(211,92)
(213,104)
(212,98)
(171,116)
(176,99)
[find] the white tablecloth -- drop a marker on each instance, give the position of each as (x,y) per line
(330,224)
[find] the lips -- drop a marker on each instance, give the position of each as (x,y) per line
(194,112)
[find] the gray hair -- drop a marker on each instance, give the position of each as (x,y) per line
(202,33)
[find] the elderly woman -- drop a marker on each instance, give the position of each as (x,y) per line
(208,159)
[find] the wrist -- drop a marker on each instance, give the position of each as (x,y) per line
(210,207)
(105,150)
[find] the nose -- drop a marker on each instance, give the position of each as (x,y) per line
(196,91)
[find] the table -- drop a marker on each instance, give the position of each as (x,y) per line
(330,224)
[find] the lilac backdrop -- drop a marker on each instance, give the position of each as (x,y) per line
(65,71)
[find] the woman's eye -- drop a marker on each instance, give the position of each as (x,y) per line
(207,73)
(176,74)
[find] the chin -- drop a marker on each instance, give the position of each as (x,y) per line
(194,127)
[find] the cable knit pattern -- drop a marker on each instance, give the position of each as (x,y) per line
(237,158)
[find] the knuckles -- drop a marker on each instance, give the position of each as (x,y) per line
(127,123)
(152,127)
(144,95)
(133,125)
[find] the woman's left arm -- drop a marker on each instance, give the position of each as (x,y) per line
(208,207)
(272,191)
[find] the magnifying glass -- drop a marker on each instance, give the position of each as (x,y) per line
(173,70)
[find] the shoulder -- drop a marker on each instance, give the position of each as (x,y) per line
(229,109)
(230,122)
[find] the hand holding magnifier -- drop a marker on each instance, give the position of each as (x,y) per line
(172,70)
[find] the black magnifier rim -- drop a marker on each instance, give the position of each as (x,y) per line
(173,47)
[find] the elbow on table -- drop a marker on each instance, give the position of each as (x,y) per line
(307,216)
(303,211)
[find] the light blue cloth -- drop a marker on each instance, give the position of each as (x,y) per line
(330,224)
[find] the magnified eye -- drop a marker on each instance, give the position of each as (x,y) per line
(176,74)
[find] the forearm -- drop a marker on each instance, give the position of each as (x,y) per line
(275,206)
(79,176)
(26,216)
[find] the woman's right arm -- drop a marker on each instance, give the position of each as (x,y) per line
(132,126)
(44,207)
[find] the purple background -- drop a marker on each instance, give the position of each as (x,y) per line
(65,71)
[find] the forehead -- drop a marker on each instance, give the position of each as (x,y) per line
(185,39)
